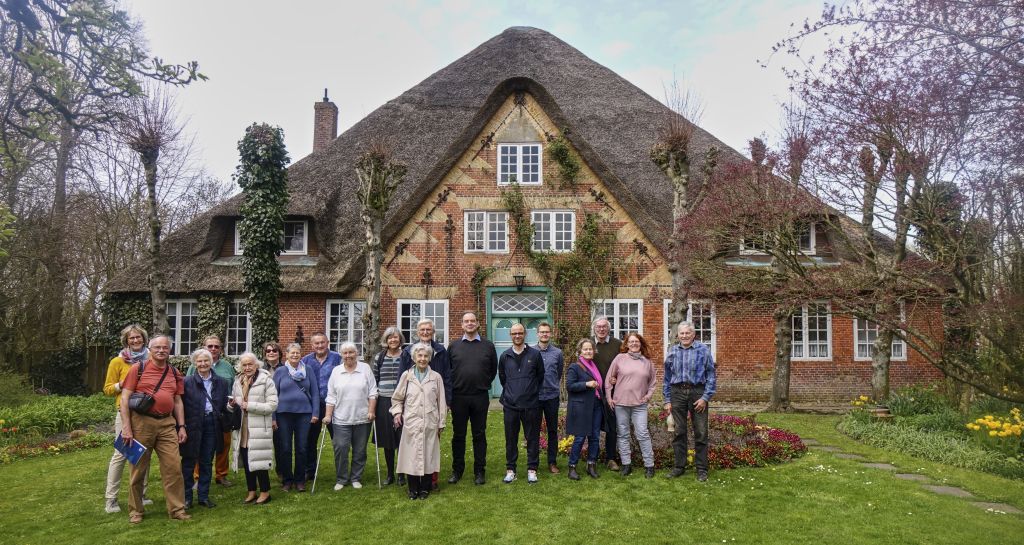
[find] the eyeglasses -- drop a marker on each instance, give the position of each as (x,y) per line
(213,346)
(271,350)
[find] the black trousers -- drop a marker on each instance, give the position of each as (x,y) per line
(471,409)
(260,478)
(419,483)
(682,398)
(611,433)
(529,419)
(313,443)
(550,410)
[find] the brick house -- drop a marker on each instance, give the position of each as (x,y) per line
(466,133)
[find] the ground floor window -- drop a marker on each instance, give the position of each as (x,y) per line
(865,333)
(183,324)
(345,323)
(812,332)
(239,332)
(624,315)
(702,315)
(411,311)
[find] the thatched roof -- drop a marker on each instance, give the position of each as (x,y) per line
(611,121)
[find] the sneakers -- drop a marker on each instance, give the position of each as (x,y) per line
(509,477)
(702,475)
(357,485)
(338,487)
(531,476)
(147,501)
(111,506)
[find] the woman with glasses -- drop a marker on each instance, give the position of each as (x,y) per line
(298,407)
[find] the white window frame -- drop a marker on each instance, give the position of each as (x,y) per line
(176,349)
(410,334)
(670,329)
(811,250)
(614,317)
(355,326)
(804,343)
(240,250)
(490,219)
(552,237)
(896,341)
(247,346)
(517,175)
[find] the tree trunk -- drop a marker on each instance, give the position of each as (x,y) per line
(880,365)
(156,276)
(373,224)
(783,346)
(56,268)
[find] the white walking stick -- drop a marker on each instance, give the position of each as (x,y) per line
(316,470)
(376,451)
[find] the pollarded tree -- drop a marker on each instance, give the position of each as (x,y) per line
(262,174)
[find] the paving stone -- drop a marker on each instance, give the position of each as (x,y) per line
(849,456)
(913,477)
(880,465)
(1004,507)
(809,442)
(949,491)
(827,448)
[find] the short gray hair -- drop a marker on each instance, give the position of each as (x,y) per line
(421,347)
(201,352)
(348,344)
(392,330)
(686,323)
(238,366)
(600,319)
(424,321)
(293,345)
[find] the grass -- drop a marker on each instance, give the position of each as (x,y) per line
(814,499)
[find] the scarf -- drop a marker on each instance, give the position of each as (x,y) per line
(243,433)
(298,374)
(421,376)
(589,366)
(131,357)
(635,355)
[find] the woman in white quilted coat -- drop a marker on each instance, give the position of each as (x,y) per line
(418,407)
(255,394)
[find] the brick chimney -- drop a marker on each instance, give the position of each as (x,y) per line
(325,123)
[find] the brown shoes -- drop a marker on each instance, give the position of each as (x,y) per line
(612,465)
(134,519)
(554,468)
(181,515)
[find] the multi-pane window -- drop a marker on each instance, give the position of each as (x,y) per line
(624,315)
(295,241)
(807,239)
(702,315)
(183,321)
(759,244)
(345,323)
(238,332)
(486,231)
(554,230)
(812,332)
(411,311)
(865,333)
(519,163)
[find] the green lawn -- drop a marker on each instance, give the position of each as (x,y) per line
(816,499)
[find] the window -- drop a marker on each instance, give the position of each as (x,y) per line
(702,315)
(238,331)
(812,332)
(183,321)
(807,239)
(486,232)
(519,163)
(519,303)
(865,332)
(296,238)
(624,315)
(554,230)
(411,311)
(345,323)
(758,245)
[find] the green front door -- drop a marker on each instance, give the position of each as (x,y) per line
(506,309)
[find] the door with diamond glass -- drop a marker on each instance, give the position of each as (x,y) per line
(506,309)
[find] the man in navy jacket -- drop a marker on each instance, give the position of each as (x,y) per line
(521,372)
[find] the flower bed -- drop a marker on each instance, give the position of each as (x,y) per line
(51,447)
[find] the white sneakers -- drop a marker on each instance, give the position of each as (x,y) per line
(509,476)
(147,501)
(531,476)
(338,487)
(112,506)
(357,485)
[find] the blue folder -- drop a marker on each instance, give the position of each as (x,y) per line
(132,452)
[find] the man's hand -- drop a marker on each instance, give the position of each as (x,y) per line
(314,420)
(668,407)
(126,433)
(700,405)
(273,424)
(182,435)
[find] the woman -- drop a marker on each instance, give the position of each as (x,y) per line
(299,407)
(418,406)
(385,372)
(206,395)
(583,419)
(133,342)
(632,375)
(272,359)
(351,404)
(255,395)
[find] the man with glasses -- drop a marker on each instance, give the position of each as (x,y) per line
(550,389)
(223,369)
(320,363)
(606,347)
(474,365)
(521,372)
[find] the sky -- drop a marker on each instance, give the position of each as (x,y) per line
(270,61)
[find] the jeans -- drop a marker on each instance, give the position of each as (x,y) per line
(530,421)
(550,409)
(682,398)
(294,429)
(207,444)
(638,416)
(593,440)
(354,437)
(471,409)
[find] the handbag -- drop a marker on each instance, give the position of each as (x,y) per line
(142,402)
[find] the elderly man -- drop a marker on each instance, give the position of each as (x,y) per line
(521,372)
(320,363)
(550,389)
(606,347)
(161,429)
(225,370)
(440,363)
(689,385)
(474,364)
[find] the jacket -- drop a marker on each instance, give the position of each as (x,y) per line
(580,408)
(194,401)
(520,382)
(262,403)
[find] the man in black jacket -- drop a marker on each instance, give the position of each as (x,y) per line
(474,364)
(521,372)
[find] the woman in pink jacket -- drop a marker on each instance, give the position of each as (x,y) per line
(629,386)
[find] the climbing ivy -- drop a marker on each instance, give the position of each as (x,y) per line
(480,275)
(213,315)
(120,309)
(569,166)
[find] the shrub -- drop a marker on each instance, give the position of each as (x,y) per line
(61,371)
(14,389)
(914,400)
(49,415)
(945,420)
(12,453)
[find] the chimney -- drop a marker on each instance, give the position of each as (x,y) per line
(325,123)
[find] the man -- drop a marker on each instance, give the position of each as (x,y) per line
(225,370)
(474,364)
(160,430)
(319,363)
(689,385)
(440,363)
(521,372)
(606,347)
(550,389)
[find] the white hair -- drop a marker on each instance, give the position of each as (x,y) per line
(347,345)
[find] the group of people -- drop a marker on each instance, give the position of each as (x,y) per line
(269,412)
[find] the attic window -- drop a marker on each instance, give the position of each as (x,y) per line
(757,245)
(296,238)
(519,163)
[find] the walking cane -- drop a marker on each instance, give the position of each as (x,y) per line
(376,451)
(316,470)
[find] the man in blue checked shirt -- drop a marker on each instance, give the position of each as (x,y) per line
(689,385)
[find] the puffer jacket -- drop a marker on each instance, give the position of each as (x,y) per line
(262,404)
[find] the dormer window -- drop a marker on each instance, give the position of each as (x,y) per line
(296,238)
(758,245)
(519,163)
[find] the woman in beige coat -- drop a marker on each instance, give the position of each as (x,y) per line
(255,394)
(418,406)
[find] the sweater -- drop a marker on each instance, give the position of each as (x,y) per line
(635,381)
(604,353)
(474,365)
(291,398)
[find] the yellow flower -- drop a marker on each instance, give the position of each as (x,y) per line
(863,398)
(992,433)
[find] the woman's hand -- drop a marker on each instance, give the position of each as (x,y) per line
(591,384)
(611,403)
(245,405)
(613,381)
(371,416)
(273,424)
(398,420)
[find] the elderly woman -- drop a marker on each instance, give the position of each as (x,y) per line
(298,408)
(133,342)
(255,395)
(386,372)
(583,419)
(351,407)
(206,395)
(418,406)
(629,387)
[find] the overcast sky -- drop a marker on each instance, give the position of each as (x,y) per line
(270,61)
